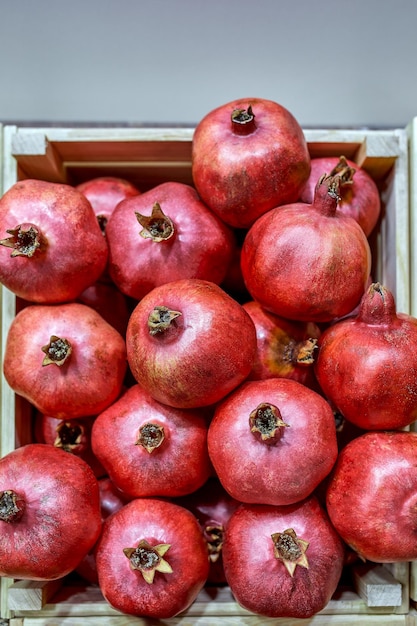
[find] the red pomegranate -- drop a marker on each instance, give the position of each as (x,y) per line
(307,262)
(282,561)
(49,512)
(111,500)
(156,450)
(372,496)
(189,343)
(163,235)
(152,559)
(65,359)
(104,194)
(111,303)
(248,156)
(359,195)
(213,507)
(286,349)
(54,248)
(272,441)
(73,435)
(367,365)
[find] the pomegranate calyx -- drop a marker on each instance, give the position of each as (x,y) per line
(243,121)
(327,194)
(12,506)
(160,319)
(25,240)
(148,559)
(57,351)
(290,549)
(68,436)
(157,226)
(150,436)
(304,352)
(377,306)
(266,423)
(213,534)
(345,171)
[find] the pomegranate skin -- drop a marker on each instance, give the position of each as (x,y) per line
(283,466)
(286,349)
(259,581)
(243,170)
(104,194)
(196,244)
(88,381)
(158,522)
(178,466)
(359,195)
(367,365)
(61,519)
(307,262)
(107,300)
(202,355)
(372,496)
(73,253)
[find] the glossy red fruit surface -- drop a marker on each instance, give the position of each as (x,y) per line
(189,343)
(282,561)
(372,497)
(152,559)
(307,262)
(359,194)
(156,450)
(49,512)
(163,235)
(64,359)
(272,441)
(367,365)
(51,247)
(248,156)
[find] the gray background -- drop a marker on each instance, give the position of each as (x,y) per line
(159,61)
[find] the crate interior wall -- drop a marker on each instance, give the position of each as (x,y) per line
(147,157)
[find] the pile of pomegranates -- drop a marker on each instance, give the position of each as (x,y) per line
(189,353)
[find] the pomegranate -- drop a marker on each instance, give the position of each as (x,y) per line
(65,359)
(272,441)
(359,195)
(156,450)
(282,561)
(367,365)
(372,496)
(286,349)
(307,262)
(151,559)
(249,156)
(166,234)
(189,343)
(213,507)
(104,194)
(55,248)
(111,303)
(73,435)
(111,500)
(49,512)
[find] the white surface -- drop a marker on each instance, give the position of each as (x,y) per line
(171,61)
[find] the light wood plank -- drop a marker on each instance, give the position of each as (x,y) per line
(31,595)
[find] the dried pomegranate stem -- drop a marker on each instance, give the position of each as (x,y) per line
(57,351)
(69,436)
(243,121)
(213,534)
(160,319)
(25,240)
(290,549)
(303,352)
(157,226)
(345,171)
(266,423)
(148,559)
(12,506)
(150,436)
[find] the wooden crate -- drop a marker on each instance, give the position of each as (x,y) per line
(376,594)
